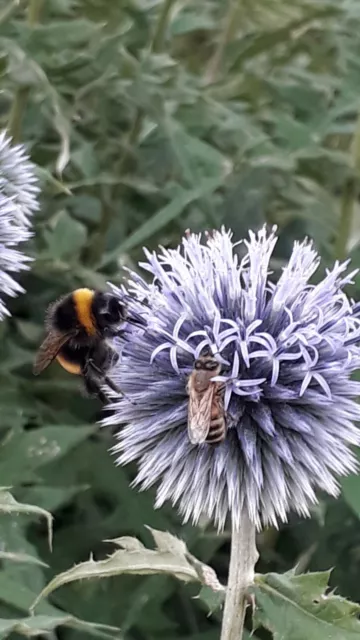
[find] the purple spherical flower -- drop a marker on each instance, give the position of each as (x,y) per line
(18,201)
(287,352)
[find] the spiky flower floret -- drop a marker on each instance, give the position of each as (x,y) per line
(18,201)
(287,350)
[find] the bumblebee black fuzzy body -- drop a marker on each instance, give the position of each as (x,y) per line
(78,326)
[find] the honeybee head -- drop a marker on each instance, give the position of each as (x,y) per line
(206,361)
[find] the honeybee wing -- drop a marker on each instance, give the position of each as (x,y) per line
(199,414)
(49,349)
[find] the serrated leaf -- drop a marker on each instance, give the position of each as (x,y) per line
(213,600)
(39,625)
(297,607)
(18,595)
(170,558)
(21,557)
(165,541)
(8,504)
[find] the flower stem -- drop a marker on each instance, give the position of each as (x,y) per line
(243,558)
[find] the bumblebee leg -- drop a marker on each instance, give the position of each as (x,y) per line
(112,385)
(115,388)
(93,389)
(91,364)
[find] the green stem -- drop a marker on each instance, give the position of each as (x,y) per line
(17,113)
(18,108)
(351,190)
(243,558)
(346,216)
(156,45)
(157,42)
(9,11)
(34,12)
(226,35)
(97,245)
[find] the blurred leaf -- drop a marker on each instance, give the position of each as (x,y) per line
(164,216)
(351,492)
(23,453)
(52,498)
(70,33)
(68,236)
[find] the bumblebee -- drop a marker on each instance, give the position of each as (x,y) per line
(78,328)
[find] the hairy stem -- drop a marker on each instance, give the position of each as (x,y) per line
(243,558)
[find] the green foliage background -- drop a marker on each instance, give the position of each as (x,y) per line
(146,118)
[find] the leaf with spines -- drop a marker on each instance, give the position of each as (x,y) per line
(42,624)
(21,558)
(8,504)
(170,557)
(298,607)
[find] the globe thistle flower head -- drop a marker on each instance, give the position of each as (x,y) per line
(18,201)
(287,350)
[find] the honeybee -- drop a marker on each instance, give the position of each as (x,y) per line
(206,413)
(78,326)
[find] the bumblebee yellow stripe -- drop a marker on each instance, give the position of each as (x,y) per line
(70,367)
(83,300)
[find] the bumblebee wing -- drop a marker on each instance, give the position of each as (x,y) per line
(199,415)
(49,349)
